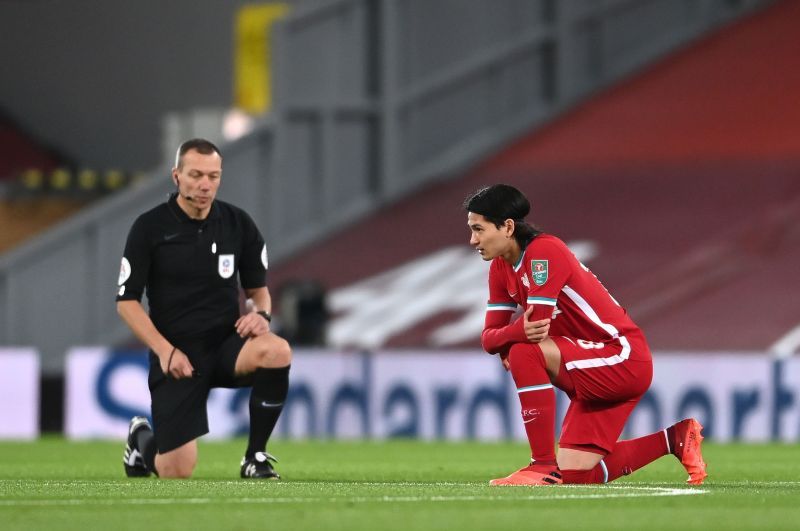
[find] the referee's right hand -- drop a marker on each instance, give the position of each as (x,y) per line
(176,365)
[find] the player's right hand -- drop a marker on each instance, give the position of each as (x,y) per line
(535,331)
(179,367)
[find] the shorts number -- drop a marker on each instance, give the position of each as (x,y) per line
(589,345)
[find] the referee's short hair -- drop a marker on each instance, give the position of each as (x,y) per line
(201,145)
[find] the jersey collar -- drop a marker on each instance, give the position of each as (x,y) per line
(519,262)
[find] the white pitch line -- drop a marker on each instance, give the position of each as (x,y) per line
(638,492)
(123,483)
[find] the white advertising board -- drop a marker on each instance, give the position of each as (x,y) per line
(444,395)
(19,393)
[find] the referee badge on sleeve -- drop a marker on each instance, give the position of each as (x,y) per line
(225,265)
(124,272)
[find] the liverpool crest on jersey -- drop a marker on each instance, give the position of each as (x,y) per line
(539,271)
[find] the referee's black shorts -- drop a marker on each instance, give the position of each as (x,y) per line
(179,406)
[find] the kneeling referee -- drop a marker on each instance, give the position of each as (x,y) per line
(188,253)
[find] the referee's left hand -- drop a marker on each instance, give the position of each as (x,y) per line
(251,325)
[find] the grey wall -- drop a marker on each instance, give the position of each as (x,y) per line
(92,78)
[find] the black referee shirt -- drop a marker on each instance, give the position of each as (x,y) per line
(189,267)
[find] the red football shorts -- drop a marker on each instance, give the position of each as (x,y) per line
(604,381)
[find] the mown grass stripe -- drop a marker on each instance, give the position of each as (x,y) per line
(626,492)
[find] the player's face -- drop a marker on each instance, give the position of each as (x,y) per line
(488,240)
(198,179)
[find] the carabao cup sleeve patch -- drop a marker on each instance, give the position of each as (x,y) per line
(539,271)
(264,258)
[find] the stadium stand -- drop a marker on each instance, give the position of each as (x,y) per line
(398,120)
(329,156)
(39,188)
(24,218)
(684,179)
(21,152)
(23,211)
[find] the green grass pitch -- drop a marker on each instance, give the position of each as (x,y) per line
(54,484)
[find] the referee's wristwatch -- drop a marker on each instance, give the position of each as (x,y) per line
(265,315)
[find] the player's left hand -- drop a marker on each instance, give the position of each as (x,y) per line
(252,325)
(504,361)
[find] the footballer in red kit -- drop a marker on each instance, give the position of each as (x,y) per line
(573,335)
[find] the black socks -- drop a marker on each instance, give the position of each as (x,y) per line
(270,387)
(146,442)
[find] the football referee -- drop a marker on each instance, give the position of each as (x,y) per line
(190,254)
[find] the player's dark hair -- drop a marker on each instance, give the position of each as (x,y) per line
(201,145)
(500,202)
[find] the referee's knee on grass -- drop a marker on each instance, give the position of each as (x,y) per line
(175,470)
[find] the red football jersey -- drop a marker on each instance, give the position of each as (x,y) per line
(550,277)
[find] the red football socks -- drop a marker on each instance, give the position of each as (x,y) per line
(626,457)
(537,400)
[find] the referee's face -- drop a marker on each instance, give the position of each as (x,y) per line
(198,180)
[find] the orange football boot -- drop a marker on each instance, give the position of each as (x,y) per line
(688,440)
(531,475)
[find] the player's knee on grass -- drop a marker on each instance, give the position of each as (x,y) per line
(582,477)
(576,459)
